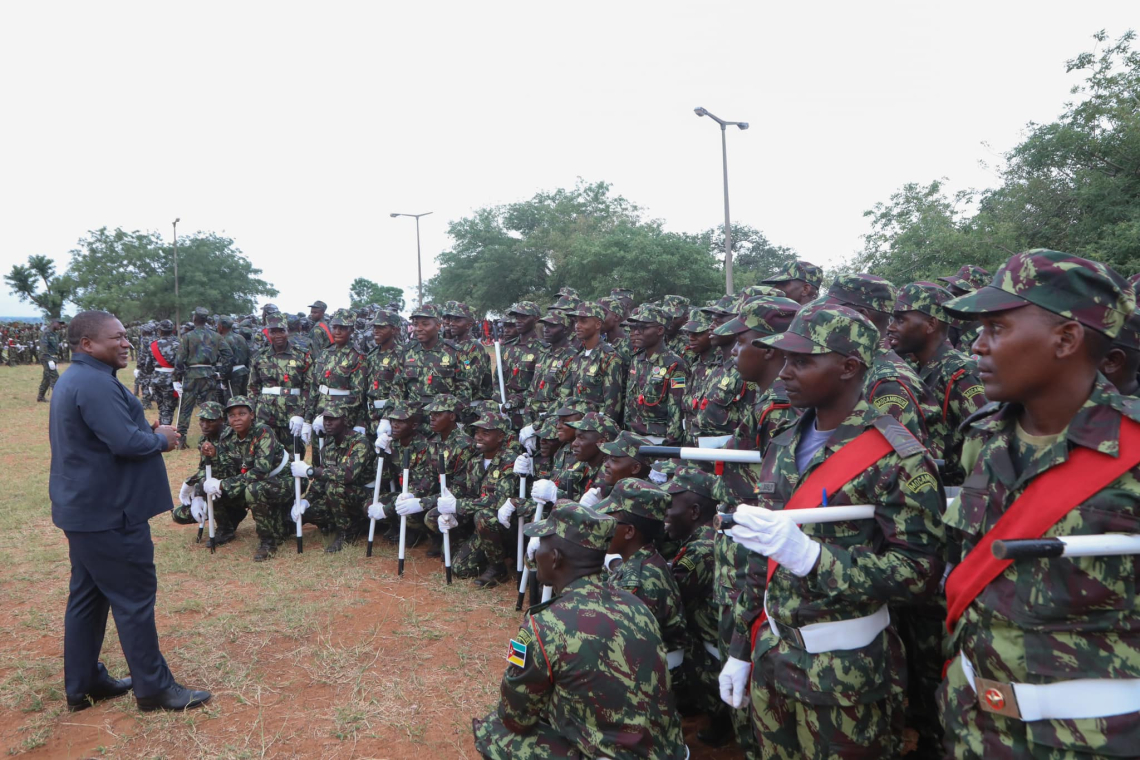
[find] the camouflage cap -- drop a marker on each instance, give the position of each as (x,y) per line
(210,410)
(798,270)
(723,305)
(577,524)
(767,314)
(863,289)
(1129,336)
(525,309)
(275,321)
(479,407)
(619,292)
(336,407)
(444,402)
(318,305)
(969,277)
(649,314)
(626,444)
(293,321)
(566,303)
(428,310)
(759,290)
(166,325)
(596,422)
(822,327)
(226,321)
(270,308)
(571,407)
(638,497)
(699,321)
(201,311)
(616,305)
(1069,286)
(688,477)
(458,309)
(675,306)
(493,421)
(547,429)
(400,410)
(926,297)
(556,318)
(589,309)
(343,318)
(667,467)
(568,291)
(239,401)
(389,318)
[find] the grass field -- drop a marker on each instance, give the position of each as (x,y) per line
(308,655)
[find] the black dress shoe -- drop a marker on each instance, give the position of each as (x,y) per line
(223,537)
(107,688)
(175,698)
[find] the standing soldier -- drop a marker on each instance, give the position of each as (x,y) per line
(159,360)
(338,372)
(320,336)
(298,335)
(800,282)
(458,319)
(202,356)
(279,380)
(1046,663)
(144,369)
(239,376)
(968,279)
(432,365)
(677,309)
(706,359)
(383,365)
(551,386)
(615,334)
(49,353)
(727,399)
(520,360)
(1121,364)
(596,373)
(656,380)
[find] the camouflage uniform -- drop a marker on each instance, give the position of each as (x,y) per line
(520,360)
(299,336)
(550,386)
(423,476)
(239,375)
(1045,621)
(384,368)
(700,368)
(457,449)
(280,383)
(162,378)
(476,360)
(429,372)
(143,380)
(338,372)
(968,279)
(587,677)
(621,343)
(202,355)
(49,352)
(654,388)
(675,307)
(596,374)
(320,336)
(797,271)
(209,410)
(339,491)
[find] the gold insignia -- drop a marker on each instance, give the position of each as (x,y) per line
(445,360)
(891,399)
(495,474)
(922,482)
(972,391)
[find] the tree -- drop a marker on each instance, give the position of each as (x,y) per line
(754,257)
(24,282)
(132,275)
(364,291)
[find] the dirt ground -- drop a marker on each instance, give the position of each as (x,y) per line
(309,655)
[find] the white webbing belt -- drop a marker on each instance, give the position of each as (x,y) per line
(713,441)
(238,366)
(836,635)
(164,369)
(712,649)
(277,390)
(675,658)
(656,440)
(327,391)
(280,467)
(380,403)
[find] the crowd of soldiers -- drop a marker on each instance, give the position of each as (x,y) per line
(35,343)
(913,425)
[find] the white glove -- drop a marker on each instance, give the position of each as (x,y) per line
(591,497)
(376,511)
(446,503)
(529,439)
(178,388)
(544,490)
(212,487)
(136,374)
(658,477)
(734,682)
(306,433)
(532,548)
(319,424)
(296,425)
(505,513)
(298,510)
(406,504)
(359,429)
(610,558)
(198,509)
(522,465)
(775,536)
(446,523)
(185,493)
(385,427)
(51,366)
(383,443)
(299,469)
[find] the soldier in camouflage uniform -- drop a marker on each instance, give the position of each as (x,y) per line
(202,356)
(455,447)
(298,335)
(432,365)
(800,282)
(706,358)
(587,675)
(49,354)
(596,372)
(551,384)
(656,381)
(279,380)
(828,668)
(1121,364)
(338,372)
(677,308)
(520,359)
(1046,662)
(211,423)
(623,460)
(583,469)
(320,335)
(340,485)
(239,375)
(162,374)
(968,279)
(615,312)
(727,399)
(384,366)
(408,437)
(458,319)
(251,470)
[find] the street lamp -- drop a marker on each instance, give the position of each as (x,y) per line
(724,125)
(177,309)
(419,265)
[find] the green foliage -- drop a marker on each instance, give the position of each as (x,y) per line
(363,292)
(754,257)
(132,275)
(24,282)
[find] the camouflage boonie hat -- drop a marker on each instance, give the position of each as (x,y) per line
(926,297)
(690,478)
(589,309)
(699,322)
(428,310)
(610,303)
(1129,336)
(343,318)
(275,320)
(650,314)
(969,277)
(596,422)
(239,401)
(638,497)
(493,421)
(577,524)
(571,407)
(526,309)
(767,314)
(201,311)
(458,309)
(822,327)
(723,305)
(336,407)
(444,402)
(382,318)
(798,270)
(866,290)
(166,325)
(1069,286)
(626,444)
(566,303)
(210,410)
(557,318)
(318,305)
(400,410)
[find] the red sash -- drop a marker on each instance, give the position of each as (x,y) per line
(1042,504)
(836,471)
(158,357)
(325,327)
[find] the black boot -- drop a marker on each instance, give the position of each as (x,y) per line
(266,550)
(492,576)
(436,549)
(718,732)
(337,543)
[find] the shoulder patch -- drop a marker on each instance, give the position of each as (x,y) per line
(902,440)
(766,487)
(687,563)
(972,391)
(987,411)
(922,482)
(890,399)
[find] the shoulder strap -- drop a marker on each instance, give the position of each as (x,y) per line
(158,357)
(1047,499)
(949,388)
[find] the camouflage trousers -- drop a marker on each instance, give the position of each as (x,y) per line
(742,718)
(167,402)
(467,559)
(228,514)
(494,740)
(338,506)
(269,501)
(48,380)
(696,681)
(239,382)
(195,391)
(923,631)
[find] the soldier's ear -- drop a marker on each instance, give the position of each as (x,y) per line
(1069,338)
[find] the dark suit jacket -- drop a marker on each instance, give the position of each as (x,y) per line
(106,463)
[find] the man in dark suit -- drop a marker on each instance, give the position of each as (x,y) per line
(107,480)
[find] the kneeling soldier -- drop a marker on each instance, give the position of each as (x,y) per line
(191,508)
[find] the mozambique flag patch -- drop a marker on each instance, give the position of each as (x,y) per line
(677,382)
(517,654)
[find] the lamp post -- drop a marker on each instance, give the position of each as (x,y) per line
(724,125)
(419,264)
(177,305)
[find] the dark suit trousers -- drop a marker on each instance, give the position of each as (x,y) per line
(113,570)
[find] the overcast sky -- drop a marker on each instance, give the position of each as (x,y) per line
(296,128)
